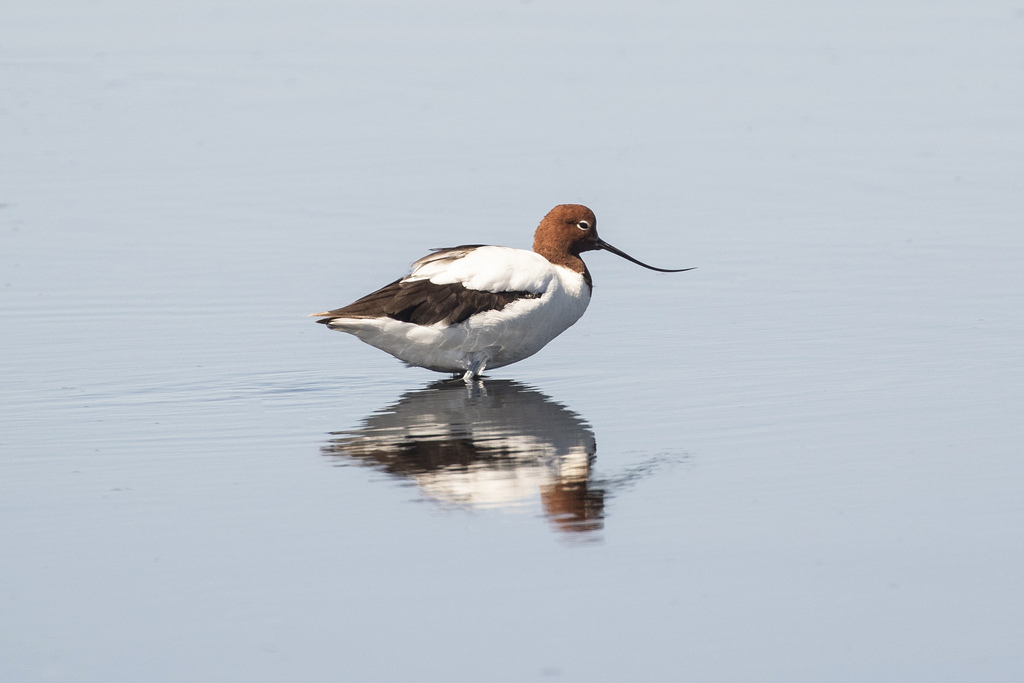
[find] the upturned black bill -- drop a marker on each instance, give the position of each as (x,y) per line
(601,244)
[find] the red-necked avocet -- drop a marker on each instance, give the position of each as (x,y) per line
(467,308)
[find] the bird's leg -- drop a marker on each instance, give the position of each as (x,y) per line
(475,369)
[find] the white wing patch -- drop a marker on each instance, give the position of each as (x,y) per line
(488,269)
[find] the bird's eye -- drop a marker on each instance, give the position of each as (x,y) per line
(583,225)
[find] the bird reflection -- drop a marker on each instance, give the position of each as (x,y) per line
(485,444)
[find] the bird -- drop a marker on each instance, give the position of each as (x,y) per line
(465,309)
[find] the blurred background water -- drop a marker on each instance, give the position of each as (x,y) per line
(801,461)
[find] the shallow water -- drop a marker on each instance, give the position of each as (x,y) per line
(800,461)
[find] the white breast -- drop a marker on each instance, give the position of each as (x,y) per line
(524,327)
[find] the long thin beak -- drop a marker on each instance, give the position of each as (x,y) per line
(601,244)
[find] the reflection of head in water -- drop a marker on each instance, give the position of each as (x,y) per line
(574,506)
(494,444)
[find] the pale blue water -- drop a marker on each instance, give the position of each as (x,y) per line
(801,461)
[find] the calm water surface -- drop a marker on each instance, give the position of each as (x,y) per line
(801,461)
